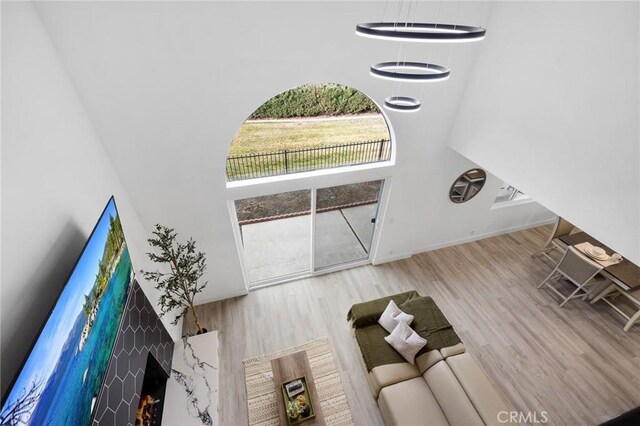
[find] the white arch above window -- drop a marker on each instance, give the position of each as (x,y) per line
(310,130)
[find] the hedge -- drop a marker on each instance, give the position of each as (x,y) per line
(314,100)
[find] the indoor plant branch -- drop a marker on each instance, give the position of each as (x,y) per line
(188,295)
(180,285)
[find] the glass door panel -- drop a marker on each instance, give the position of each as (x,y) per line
(344,223)
(276,235)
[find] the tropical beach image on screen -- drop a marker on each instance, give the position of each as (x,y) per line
(61,379)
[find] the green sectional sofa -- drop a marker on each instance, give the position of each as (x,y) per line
(446,386)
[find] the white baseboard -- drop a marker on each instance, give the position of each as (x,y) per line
(392,258)
(468,239)
(472,238)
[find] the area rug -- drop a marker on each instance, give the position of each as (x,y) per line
(261,393)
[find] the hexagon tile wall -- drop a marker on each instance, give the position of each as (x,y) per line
(141,332)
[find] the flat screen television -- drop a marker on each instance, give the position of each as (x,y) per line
(61,378)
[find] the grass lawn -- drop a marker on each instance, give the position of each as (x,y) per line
(276,135)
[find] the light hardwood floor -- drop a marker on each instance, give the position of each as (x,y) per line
(575,363)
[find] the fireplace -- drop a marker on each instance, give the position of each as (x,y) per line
(149,411)
(141,333)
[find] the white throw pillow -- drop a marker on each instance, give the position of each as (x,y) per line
(406,341)
(392,315)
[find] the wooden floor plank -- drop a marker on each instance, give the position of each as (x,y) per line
(575,363)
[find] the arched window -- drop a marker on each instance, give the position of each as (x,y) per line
(311,127)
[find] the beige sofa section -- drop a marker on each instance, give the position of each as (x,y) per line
(444,387)
(451,397)
(410,403)
(450,391)
(478,388)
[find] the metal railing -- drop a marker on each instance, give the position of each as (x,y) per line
(253,166)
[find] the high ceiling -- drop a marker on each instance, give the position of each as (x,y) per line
(167,85)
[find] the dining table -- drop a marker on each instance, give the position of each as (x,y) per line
(624,274)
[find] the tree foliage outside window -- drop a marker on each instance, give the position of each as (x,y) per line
(313,100)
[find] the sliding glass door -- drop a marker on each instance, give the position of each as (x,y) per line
(295,234)
(344,222)
(275,236)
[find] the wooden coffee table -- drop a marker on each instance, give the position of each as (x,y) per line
(291,367)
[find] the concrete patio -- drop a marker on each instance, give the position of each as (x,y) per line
(282,247)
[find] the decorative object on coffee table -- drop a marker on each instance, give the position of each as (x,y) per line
(262,398)
(187,266)
(293,381)
(297,401)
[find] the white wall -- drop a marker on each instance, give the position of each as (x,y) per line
(56,179)
(167,85)
(552,107)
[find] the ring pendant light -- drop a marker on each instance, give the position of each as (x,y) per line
(402,103)
(410,71)
(421,32)
(404,71)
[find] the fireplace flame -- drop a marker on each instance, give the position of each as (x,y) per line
(145,414)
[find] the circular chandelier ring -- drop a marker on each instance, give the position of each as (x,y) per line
(421,31)
(410,71)
(402,103)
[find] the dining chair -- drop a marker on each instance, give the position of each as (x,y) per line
(577,269)
(561,228)
(611,294)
